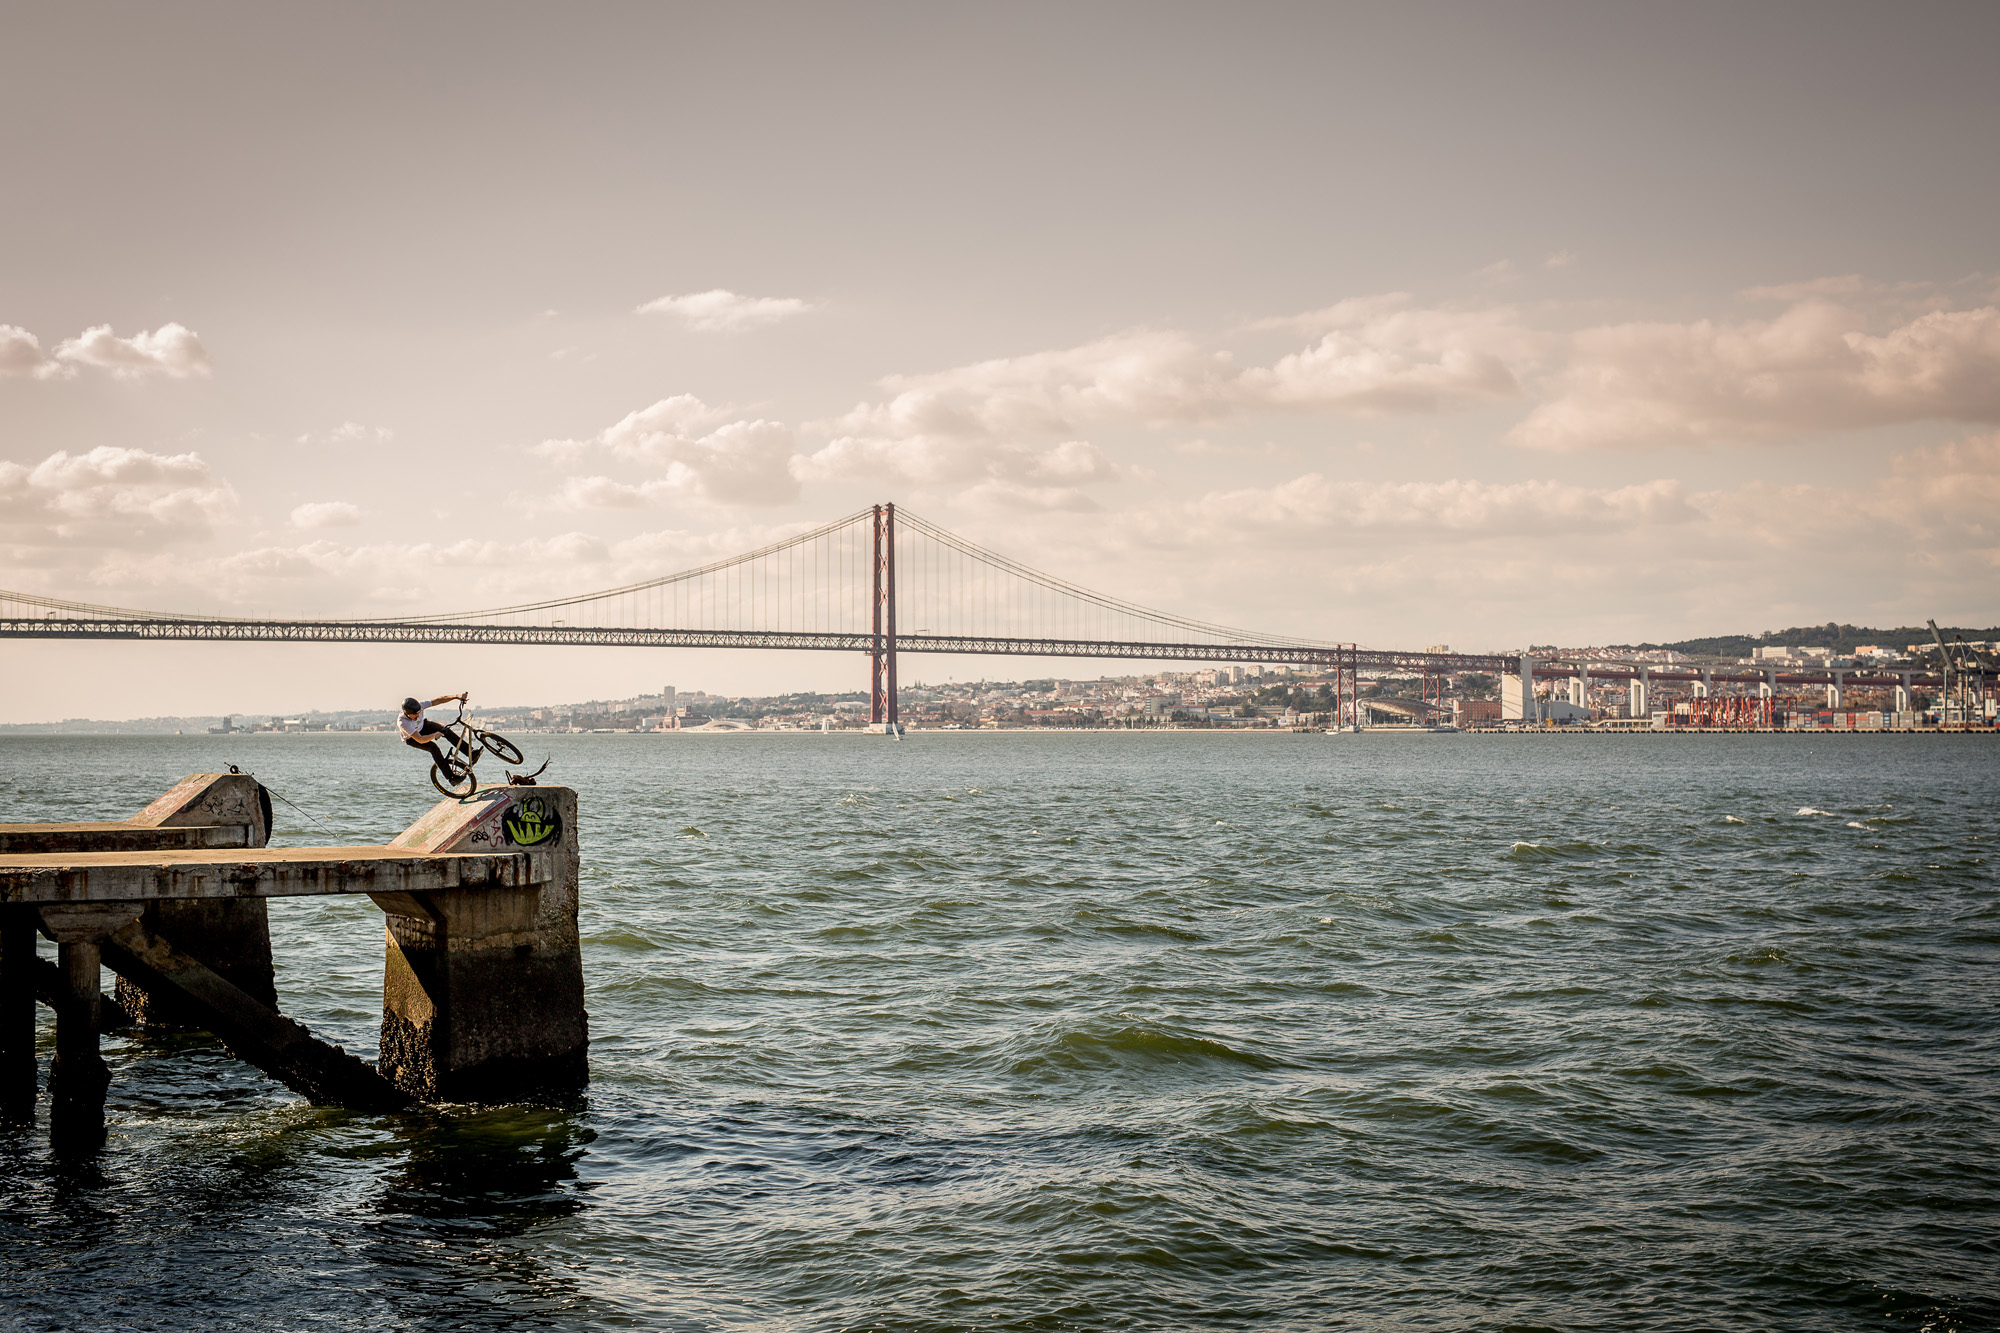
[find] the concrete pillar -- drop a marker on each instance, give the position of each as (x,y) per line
(232,936)
(1903,694)
(1767,688)
(1704,687)
(1530,707)
(1579,687)
(1834,692)
(17,1015)
(77,1076)
(1639,696)
(482,990)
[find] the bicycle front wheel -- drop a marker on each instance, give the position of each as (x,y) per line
(454,784)
(500,748)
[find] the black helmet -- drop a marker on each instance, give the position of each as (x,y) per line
(412,706)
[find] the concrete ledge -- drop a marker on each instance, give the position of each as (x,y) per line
(118,836)
(258,872)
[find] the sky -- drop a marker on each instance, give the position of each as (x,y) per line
(1481,324)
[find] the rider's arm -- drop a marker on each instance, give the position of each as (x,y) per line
(445,699)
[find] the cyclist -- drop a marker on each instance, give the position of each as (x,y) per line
(417,729)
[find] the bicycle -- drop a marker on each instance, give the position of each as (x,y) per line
(469,744)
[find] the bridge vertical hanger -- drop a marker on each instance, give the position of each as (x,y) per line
(882,652)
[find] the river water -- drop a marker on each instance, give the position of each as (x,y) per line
(1113,1031)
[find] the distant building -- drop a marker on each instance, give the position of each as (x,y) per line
(1518,701)
(1474,712)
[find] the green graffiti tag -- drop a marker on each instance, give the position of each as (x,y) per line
(531,823)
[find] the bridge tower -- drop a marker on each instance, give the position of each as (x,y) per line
(882,656)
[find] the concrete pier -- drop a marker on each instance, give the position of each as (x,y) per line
(482,990)
(202,811)
(483,977)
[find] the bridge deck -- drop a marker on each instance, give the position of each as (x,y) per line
(258,872)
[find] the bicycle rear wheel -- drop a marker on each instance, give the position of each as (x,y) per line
(500,748)
(454,784)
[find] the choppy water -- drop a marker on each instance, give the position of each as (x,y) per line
(1115,1032)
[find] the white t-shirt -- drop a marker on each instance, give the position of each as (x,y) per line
(408,725)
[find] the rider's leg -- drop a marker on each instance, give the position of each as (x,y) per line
(452,739)
(436,754)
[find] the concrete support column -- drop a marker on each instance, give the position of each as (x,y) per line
(78,1077)
(1767,688)
(1834,692)
(1531,708)
(17,1015)
(1639,696)
(482,990)
(1579,687)
(1705,687)
(1903,694)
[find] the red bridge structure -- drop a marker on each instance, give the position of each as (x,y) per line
(882,583)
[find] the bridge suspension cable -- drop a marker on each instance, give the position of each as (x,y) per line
(820,582)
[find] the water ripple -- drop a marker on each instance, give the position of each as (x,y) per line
(1082,1032)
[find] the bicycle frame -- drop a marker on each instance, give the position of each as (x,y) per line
(463,735)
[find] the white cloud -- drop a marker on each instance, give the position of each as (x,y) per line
(350,432)
(1314,511)
(172,350)
(1813,368)
(996,493)
(326,514)
(1386,355)
(1146,375)
(734,462)
(1373,356)
(21,354)
(973,422)
(324,576)
(1488,563)
(724,311)
(109,499)
(1937,512)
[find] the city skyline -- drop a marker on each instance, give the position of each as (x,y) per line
(1488,326)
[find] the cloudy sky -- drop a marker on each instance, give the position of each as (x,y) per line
(1483,324)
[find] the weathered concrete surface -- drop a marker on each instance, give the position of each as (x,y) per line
(254,1032)
(118,836)
(231,936)
(211,798)
(256,872)
(482,989)
(234,938)
(201,811)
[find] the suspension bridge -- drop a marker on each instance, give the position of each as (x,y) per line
(877,582)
